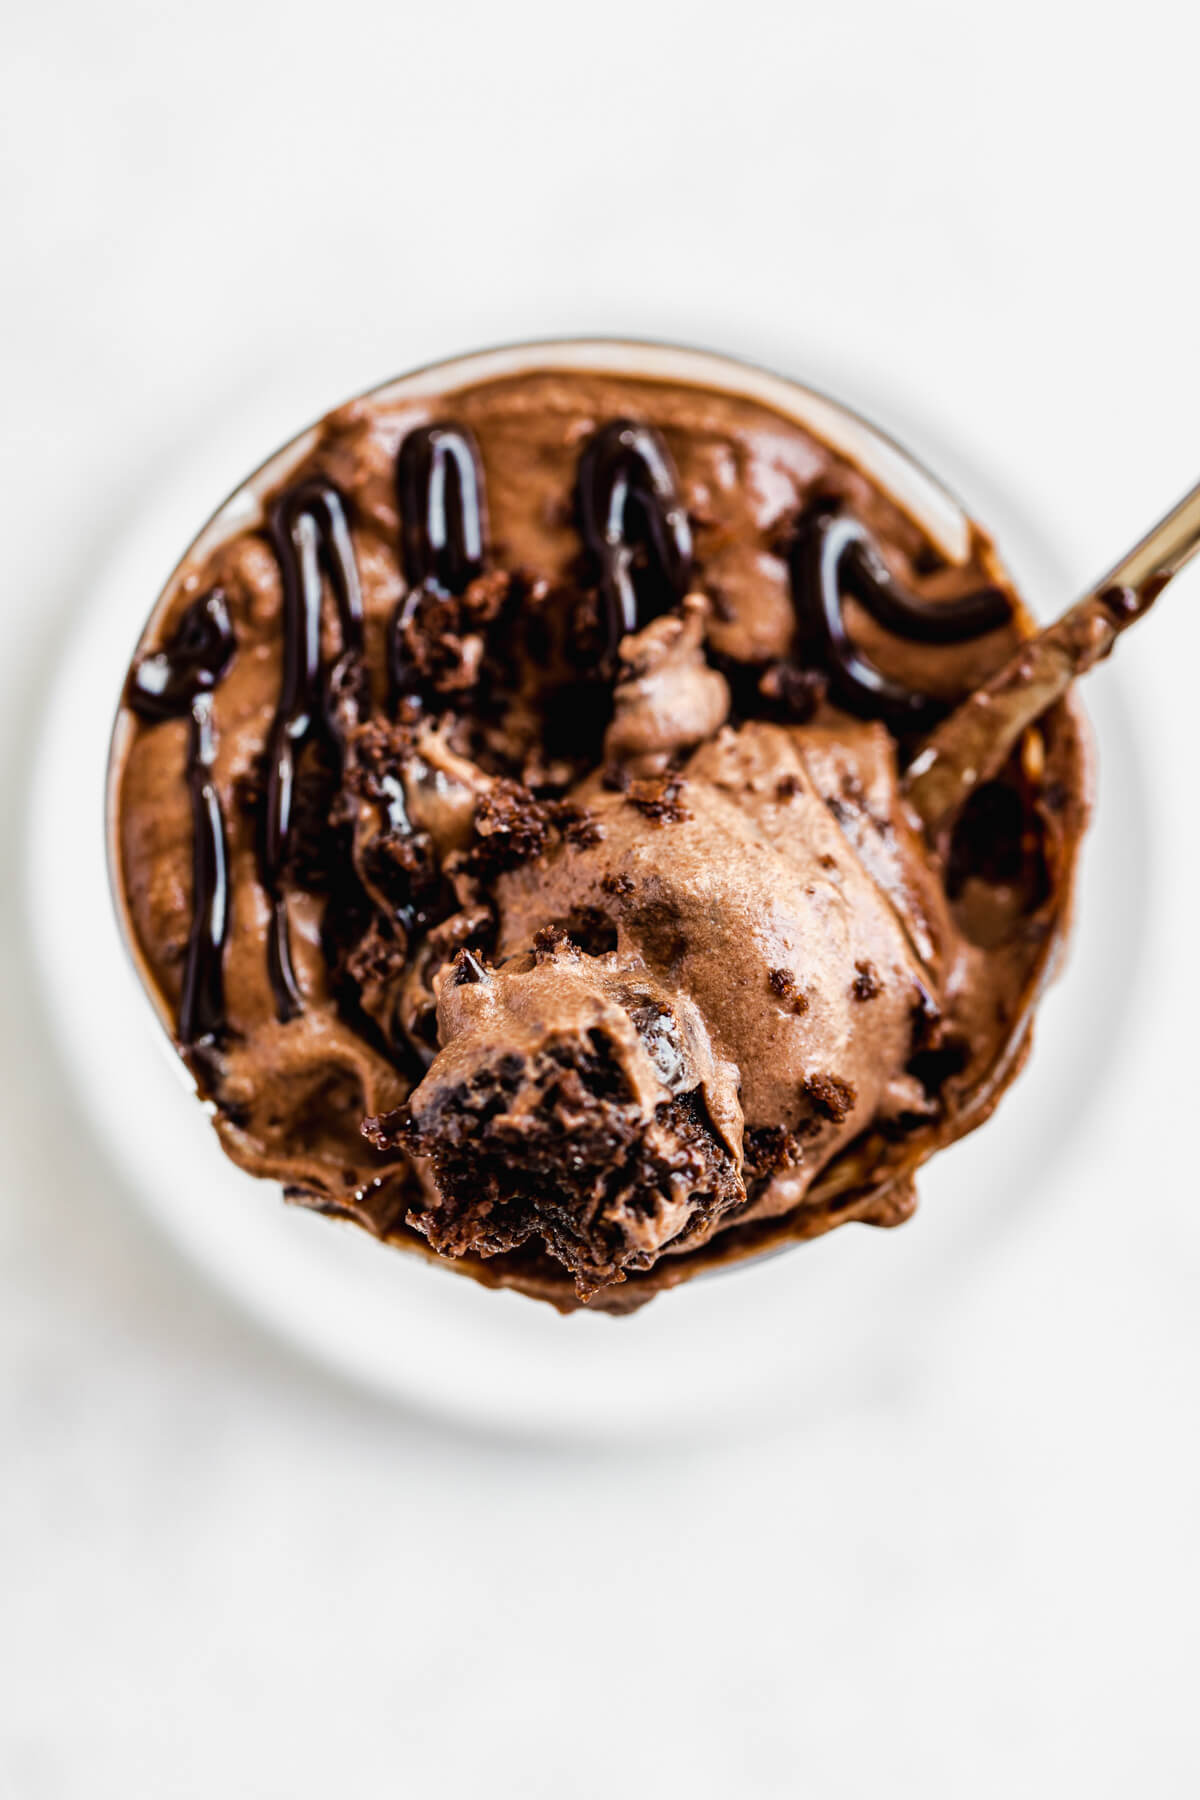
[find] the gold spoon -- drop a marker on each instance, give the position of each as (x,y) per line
(973,744)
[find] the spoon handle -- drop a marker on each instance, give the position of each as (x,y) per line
(1163,551)
(974,743)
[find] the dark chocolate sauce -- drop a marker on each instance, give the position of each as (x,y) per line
(443,524)
(443,521)
(634,525)
(833,556)
(178,682)
(311,537)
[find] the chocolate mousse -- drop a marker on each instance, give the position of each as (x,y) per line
(515,827)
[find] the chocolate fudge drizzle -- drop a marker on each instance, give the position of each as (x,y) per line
(439,485)
(443,523)
(634,525)
(833,555)
(174,683)
(311,536)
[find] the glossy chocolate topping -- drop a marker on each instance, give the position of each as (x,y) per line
(439,486)
(835,556)
(635,526)
(312,539)
(175,682)
(443,525)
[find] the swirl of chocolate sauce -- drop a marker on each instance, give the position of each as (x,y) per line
(833,556)
(634,524)
(443,524)
(443,519)
(310,535)
(178,682)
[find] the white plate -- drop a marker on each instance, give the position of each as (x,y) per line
(798,1331)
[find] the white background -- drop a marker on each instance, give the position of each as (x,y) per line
(221,1571)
